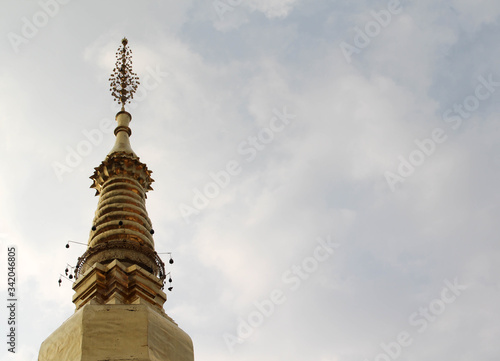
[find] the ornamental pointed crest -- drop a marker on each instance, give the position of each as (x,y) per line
(123,81)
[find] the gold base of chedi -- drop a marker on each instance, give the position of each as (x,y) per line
(117,333)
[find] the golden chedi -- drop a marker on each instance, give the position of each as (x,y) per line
(119,279)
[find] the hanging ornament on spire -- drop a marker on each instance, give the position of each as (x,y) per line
(123,81)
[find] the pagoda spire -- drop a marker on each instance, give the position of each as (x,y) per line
(121,230)
(119,279)
(123,85)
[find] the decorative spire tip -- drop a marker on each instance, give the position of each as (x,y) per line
(123,81)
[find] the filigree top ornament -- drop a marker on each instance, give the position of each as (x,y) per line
(123,81)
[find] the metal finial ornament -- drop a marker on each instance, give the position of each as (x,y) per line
(123,80)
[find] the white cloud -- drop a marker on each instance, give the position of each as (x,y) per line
(274,8)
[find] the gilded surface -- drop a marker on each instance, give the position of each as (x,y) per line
(118,333)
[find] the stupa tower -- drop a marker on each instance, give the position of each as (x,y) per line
(119,279)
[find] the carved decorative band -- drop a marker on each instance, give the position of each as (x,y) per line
(123,128)
(121,244)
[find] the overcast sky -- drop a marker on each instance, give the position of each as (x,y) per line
(326,172)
